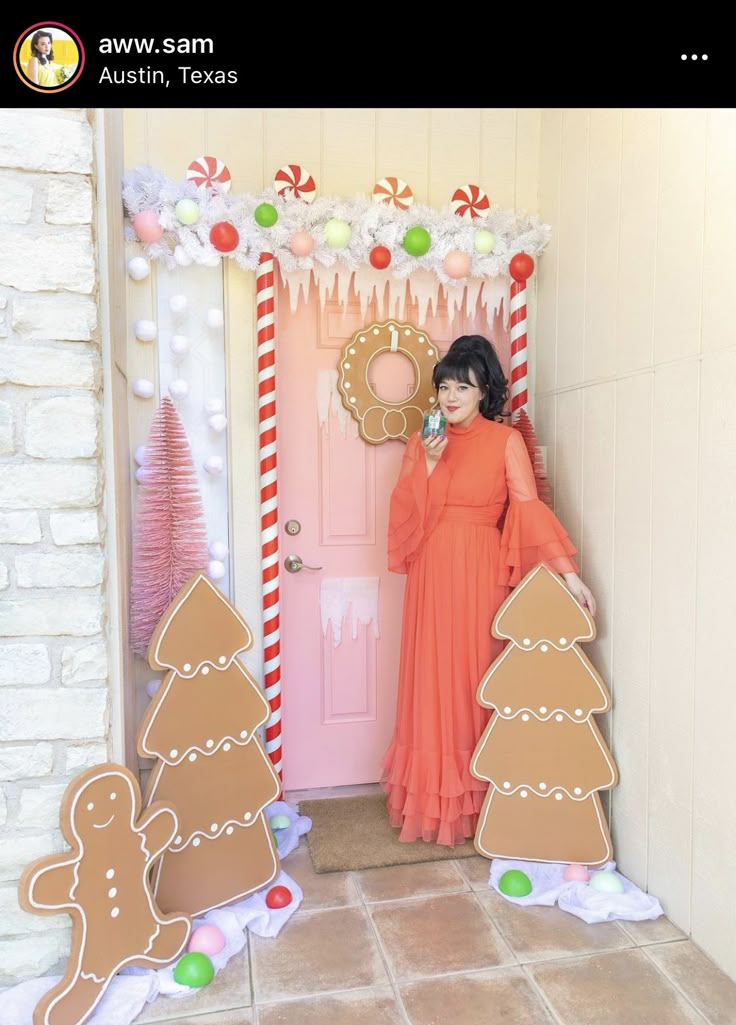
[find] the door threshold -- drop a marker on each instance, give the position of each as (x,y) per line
(321,793)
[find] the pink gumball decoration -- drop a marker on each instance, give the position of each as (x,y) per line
(207,939)
(521,266)
(146,226)
(301,243)
(456,264)
(576,874)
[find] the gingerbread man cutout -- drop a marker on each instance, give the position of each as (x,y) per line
(103,883)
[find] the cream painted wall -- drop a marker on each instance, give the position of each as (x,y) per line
(636,380)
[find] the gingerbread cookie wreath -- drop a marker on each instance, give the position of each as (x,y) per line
(378,419)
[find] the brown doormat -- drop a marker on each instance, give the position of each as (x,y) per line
(351,833)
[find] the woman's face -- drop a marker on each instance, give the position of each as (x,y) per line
(43,45)
(460,401)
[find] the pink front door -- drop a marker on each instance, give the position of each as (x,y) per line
(338,699)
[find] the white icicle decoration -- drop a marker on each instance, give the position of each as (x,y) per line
(356,595)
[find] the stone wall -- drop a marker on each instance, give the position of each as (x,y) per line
(54,703)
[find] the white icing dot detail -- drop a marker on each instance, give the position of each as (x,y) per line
(352,398)
(542,786)
(525,717)
(113,795)
(230,830)
(577,790)
(524,793)
(247,816)
(351,351)
(558,797)
(545,647)
(174,752)
(90,806)
(578,711)
(205,670)
(178,840)
(527,641)
(559,717)
(222,659)
(375,331)
(226,747)
(422,339)
(507,709)
(196,842)
(430,352)
(407,331)
(347,366)
(115,912)
(346,384)
(244,734)
(210,743)
(507,785)
(112,892)
(542,709)
(110,873)
(563,640)
(214,827)
(193,757)
(187,666)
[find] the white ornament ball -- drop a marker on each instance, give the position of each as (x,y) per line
(182,257)
(179,345)
(139,268)
(216,569)
(152,686)
(143,388)
(141,474)
(178,303)
(214,465)
(218,422)
(140,455)
(218,550)
(179,388)
(214,406)
(145,330)
(215,317)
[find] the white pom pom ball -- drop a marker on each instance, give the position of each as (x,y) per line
(218,550)
(145,330)
(182,257)
(214,406)
(212,260)
(141,474)
(215,317)
(216,569)
(214,465)
(143,388)
(178,303)
(152,686)
(179,345)
(140,455)
(179,389)
(138,268)
(218,422)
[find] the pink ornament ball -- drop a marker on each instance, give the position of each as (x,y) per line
(301,243)
(456,264)
(207,939)
(146,226)
(576,874)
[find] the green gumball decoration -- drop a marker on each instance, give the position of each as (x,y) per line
(417,241)
(337,233)
(515,883)
(187,211)
(194,970)
(485,241)
(266,215)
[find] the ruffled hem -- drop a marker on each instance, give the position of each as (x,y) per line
(533,534)
(431,798)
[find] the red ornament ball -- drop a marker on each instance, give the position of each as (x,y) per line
(224,236)
(380,257)
(521,266)
(278,897)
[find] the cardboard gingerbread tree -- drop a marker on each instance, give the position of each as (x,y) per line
(542,752)
(202,727)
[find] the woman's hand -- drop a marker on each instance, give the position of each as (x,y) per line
(434,445)
(582,594)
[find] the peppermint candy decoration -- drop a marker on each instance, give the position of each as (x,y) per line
(393,191)
(470,201)
(208,171)
(292,179)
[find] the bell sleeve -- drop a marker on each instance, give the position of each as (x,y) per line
(415,506)
(531,532)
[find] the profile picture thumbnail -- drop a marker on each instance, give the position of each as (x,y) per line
(49,57)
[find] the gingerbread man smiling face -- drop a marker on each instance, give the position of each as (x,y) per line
(103,883)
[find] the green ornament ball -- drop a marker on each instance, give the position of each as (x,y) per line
(515,883)
(337,233)
(187,211)
(194,969)
(485,241)
(417,241)
(606,882)
(266,215)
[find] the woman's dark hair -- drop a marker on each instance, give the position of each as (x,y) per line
(476,353)
(42,58)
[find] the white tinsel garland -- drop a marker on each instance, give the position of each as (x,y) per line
(371,223)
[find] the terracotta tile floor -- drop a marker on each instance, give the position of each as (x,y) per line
(432,943)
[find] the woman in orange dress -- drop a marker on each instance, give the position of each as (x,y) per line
(443,534)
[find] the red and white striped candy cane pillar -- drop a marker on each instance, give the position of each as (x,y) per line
(269,504)
(521,266)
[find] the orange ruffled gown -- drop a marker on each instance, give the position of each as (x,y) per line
(460,567)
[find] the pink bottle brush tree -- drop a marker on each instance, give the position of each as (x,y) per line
(170,536)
